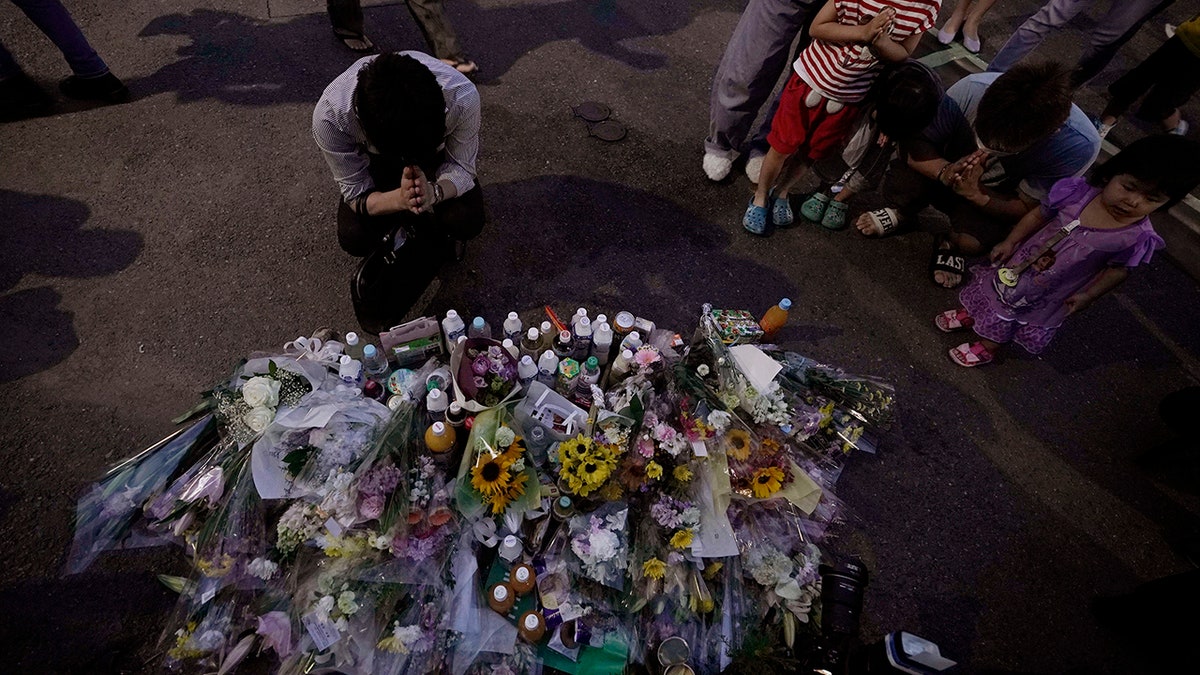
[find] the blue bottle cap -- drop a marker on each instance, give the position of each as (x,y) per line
(369,351)
(478,322)
(785,304)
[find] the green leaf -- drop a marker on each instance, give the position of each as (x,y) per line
(272,369)
(636,410)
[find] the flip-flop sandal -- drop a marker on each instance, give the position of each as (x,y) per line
(883,222)
(465,66)
(947,260)
(781,211)
(756,220)
(347,36)
(814,207)
(969,355)
(953,320)
(835,216)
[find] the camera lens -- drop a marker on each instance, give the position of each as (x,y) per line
(842,589)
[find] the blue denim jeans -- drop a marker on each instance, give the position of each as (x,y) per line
(55,21)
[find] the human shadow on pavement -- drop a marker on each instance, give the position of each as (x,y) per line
(569,240)
(246,61)
(44,235)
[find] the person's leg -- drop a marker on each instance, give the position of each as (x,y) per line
(751,65)
(1117,27)
(345,15)
(439,35)
(55,21)
(1178,80)
(772,168)
(462,217)
(1152,71)
(359,235)
(1053,15)
(970,26)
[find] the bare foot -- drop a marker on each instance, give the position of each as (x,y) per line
(865,226)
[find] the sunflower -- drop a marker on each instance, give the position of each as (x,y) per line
(682,473)
(574,449)
(771,447)
(514,451)
(592,472)
(510,494)
(766,481)
(654,568)
(611,491)
(490,475)
(737,442)
(682,539)
(654,470)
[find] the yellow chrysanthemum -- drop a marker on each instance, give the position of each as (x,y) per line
(654,470)
(737,444)
(682,473)
(682,539)
(393,645)
(767,481)
(489,475)
(654,568)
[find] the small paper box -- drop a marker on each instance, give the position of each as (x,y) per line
(737,326)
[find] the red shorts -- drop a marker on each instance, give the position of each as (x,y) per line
(813,131)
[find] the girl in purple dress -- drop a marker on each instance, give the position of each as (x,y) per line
(1078,246)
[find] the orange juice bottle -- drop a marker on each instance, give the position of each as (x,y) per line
(439,438)
(774,319)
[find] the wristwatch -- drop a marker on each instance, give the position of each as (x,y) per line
(438,193)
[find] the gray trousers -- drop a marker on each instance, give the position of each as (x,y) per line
(755,57)
(428,14)
(1112,31)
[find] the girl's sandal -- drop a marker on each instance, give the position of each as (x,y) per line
(953,320)
(969,355)
(814,207)
(835,216)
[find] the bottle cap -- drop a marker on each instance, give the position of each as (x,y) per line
(546,326)
(564,502)
(351,339)
(527,360)
(601,318)
(345,359)
(532,621)
(584,321)
(369,351)
(592,362)
(564,335)
(507,343)
(531,334)
(434,395)
(478,322)
(450,314)
(627,354)
(455,408)
(785,304)
(439,428)
(521,574)
(512,316)
(634,335)
(624,321)
(581,312)
(500,592)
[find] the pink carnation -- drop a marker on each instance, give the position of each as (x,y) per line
(371,506)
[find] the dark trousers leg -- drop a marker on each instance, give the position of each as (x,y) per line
(1127,15)
(346,15)
(430,16)
(1170,63)
(906,190)
(1179,84)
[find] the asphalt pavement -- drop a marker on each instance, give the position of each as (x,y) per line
(146,247)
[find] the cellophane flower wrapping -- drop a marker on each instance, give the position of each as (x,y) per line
(106,512)
(599,543)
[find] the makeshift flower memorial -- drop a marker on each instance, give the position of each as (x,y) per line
(585,464)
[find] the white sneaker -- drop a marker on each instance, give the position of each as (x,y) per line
(716,167)
(1180,129)
(1103,129)
(754,168)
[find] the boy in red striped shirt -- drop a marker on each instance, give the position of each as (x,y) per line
(851,41)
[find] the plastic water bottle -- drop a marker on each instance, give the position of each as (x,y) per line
(774,319)
(436,403)
(376,364)
(453,327)
(583,338)
(479,329)
(621,366)
(562,345)
(600,318)
(589,374)
(602,341)
(547,334)
(547,368)
(632,341)
(526,370)
(580,313)
(531,344)
(353,347)
(510,347)
(350,371)
(512,327)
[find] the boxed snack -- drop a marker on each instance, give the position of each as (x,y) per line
(737,326)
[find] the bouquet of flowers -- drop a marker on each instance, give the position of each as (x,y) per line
(486,374)
(585,466)
(494,475)
(600,544)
